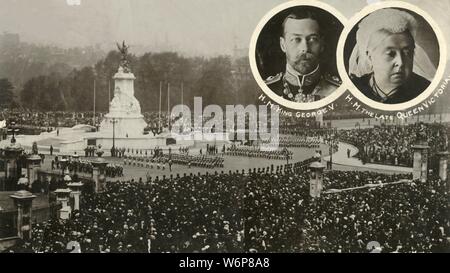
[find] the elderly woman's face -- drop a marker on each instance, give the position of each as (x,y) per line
(392,59)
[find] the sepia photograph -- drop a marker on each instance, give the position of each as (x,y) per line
(141,127)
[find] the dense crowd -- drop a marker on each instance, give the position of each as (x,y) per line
(29,120)
(46,120)
(258,151)
(256,212)
(264,210)
(392,144)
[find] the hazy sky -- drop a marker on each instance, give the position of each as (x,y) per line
(200,27)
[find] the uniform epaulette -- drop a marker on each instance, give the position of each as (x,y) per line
(273,79)
(333,79)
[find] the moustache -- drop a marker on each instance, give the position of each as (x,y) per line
(305,57)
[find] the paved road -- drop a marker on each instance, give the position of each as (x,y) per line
(342,162)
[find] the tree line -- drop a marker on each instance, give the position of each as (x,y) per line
(217,80)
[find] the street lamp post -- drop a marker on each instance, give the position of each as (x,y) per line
(114,121)
(331,154)
(331,144)
(13,130)
(93,118)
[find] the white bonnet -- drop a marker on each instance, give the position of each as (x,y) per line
(390,20)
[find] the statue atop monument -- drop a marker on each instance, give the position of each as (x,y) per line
(124,63)
(34,148)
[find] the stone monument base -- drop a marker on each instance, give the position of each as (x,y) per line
(124,126)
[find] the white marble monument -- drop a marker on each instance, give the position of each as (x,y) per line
(124,115)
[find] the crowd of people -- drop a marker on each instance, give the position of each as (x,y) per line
(264,210)
(29,120)
(256,151)
(48,120)
(392,145)
(256,212)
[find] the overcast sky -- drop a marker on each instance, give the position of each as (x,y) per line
(195,27)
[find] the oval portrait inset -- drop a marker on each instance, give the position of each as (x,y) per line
(391,55)
(293,55)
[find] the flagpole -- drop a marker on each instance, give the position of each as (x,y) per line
(109,93)
(182,98)
(93,118)
(159,113)
(168,104)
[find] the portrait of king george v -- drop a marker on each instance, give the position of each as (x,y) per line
(296,54)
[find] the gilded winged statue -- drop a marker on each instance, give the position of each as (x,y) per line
(124,63)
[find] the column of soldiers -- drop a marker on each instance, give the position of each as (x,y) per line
(113,170)
(134,152)
(145,162)
(83,166)
(160,161)
(184,150)
(89,151)
(253,151)
(80,166)
(118,152)
(212,149)
(198,161)
(293,141)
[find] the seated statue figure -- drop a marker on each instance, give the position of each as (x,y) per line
(124,103)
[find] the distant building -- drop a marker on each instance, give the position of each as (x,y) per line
(9,40)
(240,65)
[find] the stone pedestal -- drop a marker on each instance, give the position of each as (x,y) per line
(62,195)
(316,179)
(23,201)
(443,162)
(75,187)
(63,164)
(420,164)
(319,120)
(11,155)
(33,166)
(98,173)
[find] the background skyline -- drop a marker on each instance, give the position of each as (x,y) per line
(193,28)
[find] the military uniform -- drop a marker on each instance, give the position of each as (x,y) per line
(303,88)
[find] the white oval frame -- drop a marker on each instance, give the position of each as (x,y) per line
(439,71)
(252,56)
